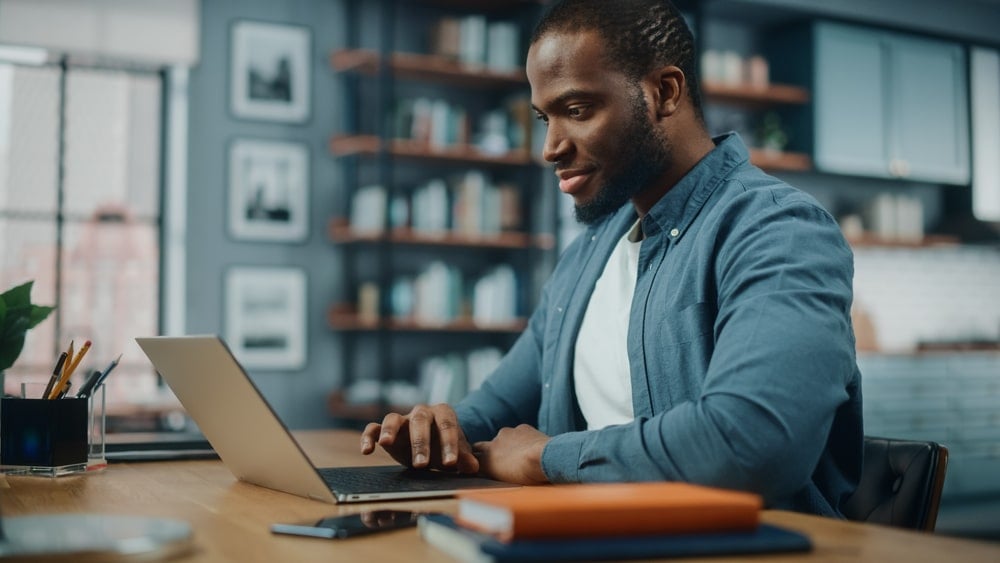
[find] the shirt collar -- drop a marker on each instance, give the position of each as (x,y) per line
(679,206)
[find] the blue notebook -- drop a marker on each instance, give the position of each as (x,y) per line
(442,532)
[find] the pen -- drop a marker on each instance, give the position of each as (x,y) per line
(65,389)
(88,384)
(68,372)
(55,375)
(96,379)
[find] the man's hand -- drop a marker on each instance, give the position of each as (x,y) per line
(515,455)
(428,437)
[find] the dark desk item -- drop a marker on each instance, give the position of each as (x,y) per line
(157,446)
(343,526)
(42,433)
(901,484)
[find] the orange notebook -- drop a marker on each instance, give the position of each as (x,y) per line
(607,509)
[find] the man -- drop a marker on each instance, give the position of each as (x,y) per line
(698,330)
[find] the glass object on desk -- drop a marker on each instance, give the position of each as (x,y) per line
(93,537)
(51,437)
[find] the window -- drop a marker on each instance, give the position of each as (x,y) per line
(90,234)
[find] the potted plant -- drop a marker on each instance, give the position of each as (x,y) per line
(17,316)
(771,133)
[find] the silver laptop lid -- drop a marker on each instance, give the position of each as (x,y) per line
(249,437)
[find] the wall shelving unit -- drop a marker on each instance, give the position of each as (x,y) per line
(372,149)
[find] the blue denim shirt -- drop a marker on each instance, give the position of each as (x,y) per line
(740,344)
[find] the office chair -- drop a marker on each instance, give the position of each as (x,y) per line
(901,482)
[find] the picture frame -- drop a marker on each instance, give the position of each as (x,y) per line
(268,190)
(270,71)
(266,316)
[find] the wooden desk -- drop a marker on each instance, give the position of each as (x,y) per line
(231,520)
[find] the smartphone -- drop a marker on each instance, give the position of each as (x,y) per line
(350,525)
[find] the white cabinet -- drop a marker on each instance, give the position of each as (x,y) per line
(985,82)
(889,105)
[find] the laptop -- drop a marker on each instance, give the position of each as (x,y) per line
(257,447)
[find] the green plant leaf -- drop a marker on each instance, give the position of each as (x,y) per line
(10,349)
(19,295)
(38,314)
(15,322)
(17,316)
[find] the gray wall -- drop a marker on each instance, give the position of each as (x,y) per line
(298,396)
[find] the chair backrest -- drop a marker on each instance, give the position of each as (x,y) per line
(901,482)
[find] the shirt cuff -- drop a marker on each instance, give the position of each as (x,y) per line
(561,458)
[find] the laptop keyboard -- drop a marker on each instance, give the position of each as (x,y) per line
(381,480)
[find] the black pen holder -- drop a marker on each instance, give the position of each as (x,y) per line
(51,437)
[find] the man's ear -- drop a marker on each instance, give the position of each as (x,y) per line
(669,90)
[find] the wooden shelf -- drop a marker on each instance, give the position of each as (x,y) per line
(340,232)
(485,5)
(427,68)
(970,346)
(369,145)
(341,317)
(870,240)
(754,96)
(781,161)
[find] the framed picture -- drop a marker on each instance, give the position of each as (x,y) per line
(265,316)
(270,65)
(268,190)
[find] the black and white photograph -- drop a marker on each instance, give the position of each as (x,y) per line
(265,316)
(268,190)
(270,71)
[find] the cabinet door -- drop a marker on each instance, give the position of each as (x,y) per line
(930,116)
(850,119)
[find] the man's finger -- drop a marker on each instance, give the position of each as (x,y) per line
(480,451)
(449,433)
(467,462)
(369,436)
(420,420)
(390,428)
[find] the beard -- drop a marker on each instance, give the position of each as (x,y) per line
(645,154)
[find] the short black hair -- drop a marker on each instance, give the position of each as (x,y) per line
(640,35)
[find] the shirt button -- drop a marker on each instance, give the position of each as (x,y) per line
(674,232)
(559,309)
(547,386)
(593,237)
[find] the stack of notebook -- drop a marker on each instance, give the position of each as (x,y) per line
(604,522)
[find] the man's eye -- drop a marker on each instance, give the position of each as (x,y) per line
(576,111)
(542,118)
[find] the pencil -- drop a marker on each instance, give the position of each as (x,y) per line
(69,358)
(68,372)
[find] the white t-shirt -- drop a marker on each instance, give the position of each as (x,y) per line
(601,372)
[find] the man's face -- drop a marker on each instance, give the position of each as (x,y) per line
(600,131)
